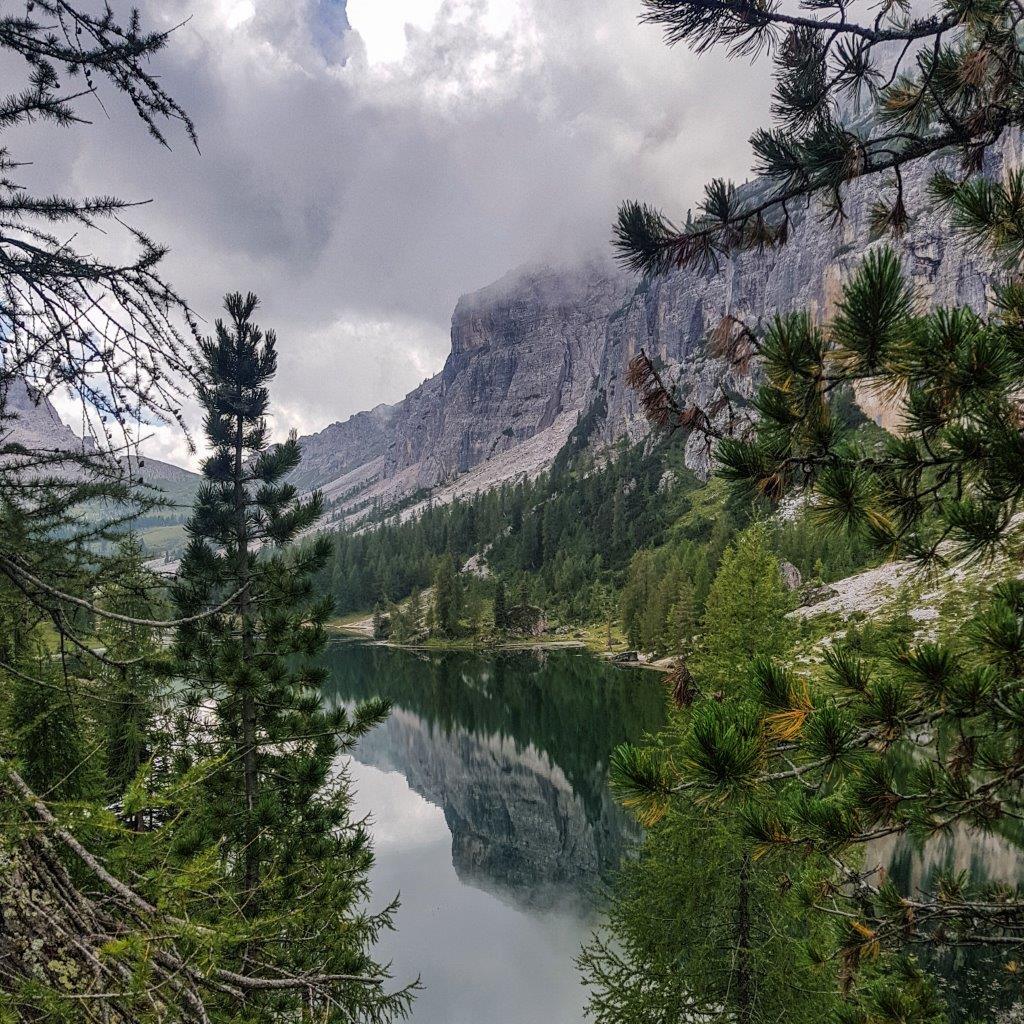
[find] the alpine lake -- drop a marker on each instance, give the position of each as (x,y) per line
(492,819)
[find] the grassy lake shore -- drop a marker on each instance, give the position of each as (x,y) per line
(593,638)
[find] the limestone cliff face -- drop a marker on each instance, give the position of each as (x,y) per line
(533,351)
(526,357)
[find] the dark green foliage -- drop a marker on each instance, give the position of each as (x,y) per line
(381,624)
(744,615)
(134,705)
(563,537)
(672,951)
(271,801)
(699,925)
(853,98)
(448,597)
(666,589)
(638,523)
(48,735)
(500,605)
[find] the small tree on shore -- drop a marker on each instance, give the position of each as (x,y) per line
(744,617)
(448,597)
(500,606)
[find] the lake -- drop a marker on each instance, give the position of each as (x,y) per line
(492,817)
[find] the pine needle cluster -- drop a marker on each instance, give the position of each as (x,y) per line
(855,96)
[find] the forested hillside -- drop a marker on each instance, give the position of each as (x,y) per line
(626,533)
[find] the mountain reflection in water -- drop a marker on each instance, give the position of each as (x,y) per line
(487,788)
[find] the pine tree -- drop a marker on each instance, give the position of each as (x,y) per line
(681,624)
(744,617)
(102,922)
(500,608)
(415,611)
(695,931)
(700,928)
(132,703)
(447,597)
(273,803)
(46,727)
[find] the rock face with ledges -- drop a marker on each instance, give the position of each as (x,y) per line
(526,352)
(535,351)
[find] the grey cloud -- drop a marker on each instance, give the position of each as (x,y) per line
(360,205)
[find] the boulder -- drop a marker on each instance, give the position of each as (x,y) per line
(526,620)
(812,595)
(791,577)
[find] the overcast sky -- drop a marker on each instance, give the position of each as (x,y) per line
(365,164)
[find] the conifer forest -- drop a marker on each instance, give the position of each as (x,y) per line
(637,638)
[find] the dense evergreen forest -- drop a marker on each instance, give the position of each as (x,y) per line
(628,533)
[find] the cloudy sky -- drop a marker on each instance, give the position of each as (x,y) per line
(365,163)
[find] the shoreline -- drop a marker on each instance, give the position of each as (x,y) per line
(359,631)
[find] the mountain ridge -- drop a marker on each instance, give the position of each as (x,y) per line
(533,352)
(32,420)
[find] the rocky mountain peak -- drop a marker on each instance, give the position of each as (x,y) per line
(533,352)
(30,417)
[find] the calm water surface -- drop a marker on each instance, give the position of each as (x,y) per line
(492,818)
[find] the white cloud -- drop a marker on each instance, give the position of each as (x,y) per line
(383,25)
(236,12)
(401,818)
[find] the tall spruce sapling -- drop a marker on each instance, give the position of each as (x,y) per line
(500,606)
(275,801)
(448,597)
(744,616)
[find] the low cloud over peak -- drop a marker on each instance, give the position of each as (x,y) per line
(360,185)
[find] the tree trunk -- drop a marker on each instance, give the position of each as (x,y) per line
(250,856)
(744,965)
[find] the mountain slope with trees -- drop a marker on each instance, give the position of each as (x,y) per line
(891,735)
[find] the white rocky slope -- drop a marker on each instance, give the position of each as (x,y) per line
(936,598)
